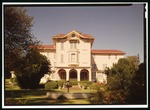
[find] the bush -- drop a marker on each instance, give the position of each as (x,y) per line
(61,97)
(94,87)
(60,83)
(74,82)
(51,85)
(85,84)
(97,97)
(13,101)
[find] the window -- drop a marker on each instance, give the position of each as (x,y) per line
(93,75)
(69,58)
(73,45)
(62,45)
(61,58)
(48,54)
(77,58)
(54,55)
(73,57)
(115,56)
(104,66)
(108,56)
(94,66)
(54,64)
(73,35)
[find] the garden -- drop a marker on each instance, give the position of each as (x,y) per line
(16,96)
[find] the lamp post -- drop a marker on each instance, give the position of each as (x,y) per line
(68,85)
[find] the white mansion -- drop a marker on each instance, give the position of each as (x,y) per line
(72,57)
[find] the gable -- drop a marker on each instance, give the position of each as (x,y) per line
(73,35)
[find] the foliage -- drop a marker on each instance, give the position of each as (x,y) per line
(61,98)
(13,101)
(134,60)
(74,82)
(17,35)
(121,77)
(51,85)
(138,88)
(85,84)
(97,95)
(68,84)
(30,69)
(61,83)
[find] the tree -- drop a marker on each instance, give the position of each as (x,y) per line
(125,83)
(138,88)
(30,69)
(120,78)
(17,35)
(134,60)
(29,65)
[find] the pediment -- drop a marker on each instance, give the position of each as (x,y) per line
(74,35)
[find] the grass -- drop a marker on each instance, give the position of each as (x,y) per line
(8,86)
(16,96)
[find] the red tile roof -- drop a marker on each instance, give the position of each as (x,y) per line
(107,52)
(84,35)
(87,36)
(59,36)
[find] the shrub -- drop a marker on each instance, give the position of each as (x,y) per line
(74,82)
(61,97)
(94,87)
(60,83)
(97,97)
(13,101)
(51,85)
(85,84)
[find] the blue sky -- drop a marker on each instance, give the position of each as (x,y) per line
(113,27)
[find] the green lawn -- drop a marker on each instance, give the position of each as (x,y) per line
(16,96)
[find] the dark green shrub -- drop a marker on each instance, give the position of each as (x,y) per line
(60,83)
(51,85)
(74,82)
(13,101)
(94,87)
(61,97)
(85,84)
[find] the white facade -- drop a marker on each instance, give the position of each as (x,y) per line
(72,57)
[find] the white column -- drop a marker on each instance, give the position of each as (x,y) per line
(67,74)
(90,75)
(78,74)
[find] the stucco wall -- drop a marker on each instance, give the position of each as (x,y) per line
(103,61)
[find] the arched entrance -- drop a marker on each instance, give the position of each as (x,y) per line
(73,75)
(62,74)
(84,75)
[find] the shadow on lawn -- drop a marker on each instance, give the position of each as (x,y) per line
(24,93)
(47,101)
